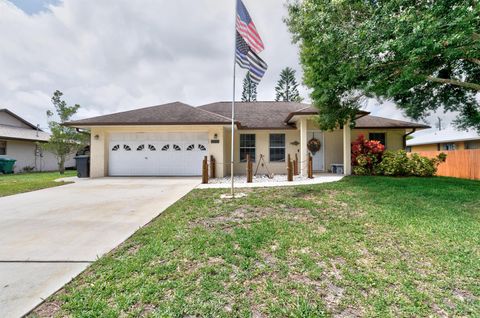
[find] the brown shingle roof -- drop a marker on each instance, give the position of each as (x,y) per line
(258,115)
(370,121)
(169,114)
(254,115)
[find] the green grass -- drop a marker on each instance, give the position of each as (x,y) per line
(18,183)
(365,246)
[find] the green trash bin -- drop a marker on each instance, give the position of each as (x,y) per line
(6,165)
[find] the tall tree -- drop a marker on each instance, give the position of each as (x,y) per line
(421,54)
(249,93)
(287,87)
(64,141)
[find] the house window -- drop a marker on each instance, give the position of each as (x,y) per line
(378,137)
(277,147)
(449,146)
(472,145)
(247,147)
(3,148)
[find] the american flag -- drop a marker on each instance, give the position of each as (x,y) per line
(248,45)
(247,29)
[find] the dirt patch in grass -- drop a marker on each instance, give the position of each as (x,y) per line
(245,215)
(48,309)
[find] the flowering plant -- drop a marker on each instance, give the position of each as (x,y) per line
(366,155)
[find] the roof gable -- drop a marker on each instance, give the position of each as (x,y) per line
(257,115)
(11,119)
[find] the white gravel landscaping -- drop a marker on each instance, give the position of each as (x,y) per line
(264,181)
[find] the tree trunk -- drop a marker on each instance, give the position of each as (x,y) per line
(61,166)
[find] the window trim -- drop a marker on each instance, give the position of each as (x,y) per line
(379,132)
(240,147)
(6,147)
(270,147)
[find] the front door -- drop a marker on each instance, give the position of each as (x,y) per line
(318,157)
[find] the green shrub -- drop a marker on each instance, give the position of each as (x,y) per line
(361,171)
(399,163)
(395,163)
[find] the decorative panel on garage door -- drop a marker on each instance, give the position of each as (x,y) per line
(157,154)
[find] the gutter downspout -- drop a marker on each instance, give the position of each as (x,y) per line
(405,138)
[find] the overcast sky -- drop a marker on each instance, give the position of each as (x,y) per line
(115,55)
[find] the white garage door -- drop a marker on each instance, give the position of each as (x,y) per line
(157,154)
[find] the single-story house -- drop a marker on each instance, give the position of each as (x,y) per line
(448,139)
(20,140)
(172,139)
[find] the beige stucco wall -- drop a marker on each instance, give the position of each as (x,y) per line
(262,148)
(394,137)
(432,147)
(99,147)
(25,154)
(333,145)
(459,145)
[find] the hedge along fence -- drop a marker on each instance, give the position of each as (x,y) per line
(459,164)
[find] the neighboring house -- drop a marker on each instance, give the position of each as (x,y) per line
(172,139)
(20,140)
(448,139)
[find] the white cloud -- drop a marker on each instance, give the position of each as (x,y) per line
(113,55)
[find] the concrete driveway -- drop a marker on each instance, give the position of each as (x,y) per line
(47,237)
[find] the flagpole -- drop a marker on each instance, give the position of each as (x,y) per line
(232,150)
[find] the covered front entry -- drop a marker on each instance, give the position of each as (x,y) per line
(157,154)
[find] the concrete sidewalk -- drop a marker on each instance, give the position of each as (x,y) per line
(47,237)
(241,183)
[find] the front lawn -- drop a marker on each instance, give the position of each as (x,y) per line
(26,182)
(365,246)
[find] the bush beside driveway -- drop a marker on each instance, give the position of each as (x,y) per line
(364,246)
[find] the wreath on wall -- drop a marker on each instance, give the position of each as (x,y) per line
(314,145)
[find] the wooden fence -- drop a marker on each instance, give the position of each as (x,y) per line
(459,164)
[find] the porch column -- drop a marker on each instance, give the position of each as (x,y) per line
(303,147)
(347,149)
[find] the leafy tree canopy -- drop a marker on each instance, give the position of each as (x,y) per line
(421,54)
(249,93)
(287,87)
(64,141)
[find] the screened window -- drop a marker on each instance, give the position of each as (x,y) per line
(378,137)
(277,147)
(3,147)
(247,147)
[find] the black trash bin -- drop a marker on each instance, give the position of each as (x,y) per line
(83,166)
